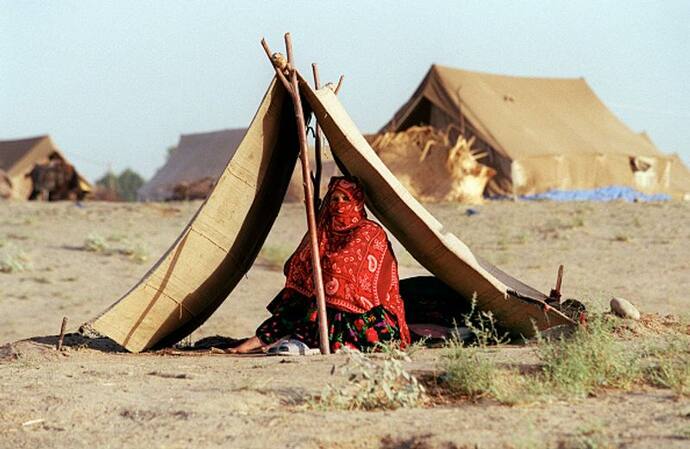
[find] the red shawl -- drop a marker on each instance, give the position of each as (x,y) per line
(358,265)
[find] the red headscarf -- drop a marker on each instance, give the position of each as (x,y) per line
(359,269)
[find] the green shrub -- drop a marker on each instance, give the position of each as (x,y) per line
(373,384)
(589,360)
(483,326)
(14,261)
(135,252)
(672,369)
(466,373)
(95,243)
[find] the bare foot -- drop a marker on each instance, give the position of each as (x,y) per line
(249,345)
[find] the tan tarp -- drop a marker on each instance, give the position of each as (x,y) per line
(197,156)
(557,131)
(222,240)
(18,157)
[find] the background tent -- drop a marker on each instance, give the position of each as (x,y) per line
(538,133)
(203,156)
(679,174)
(197,157)
(18,158)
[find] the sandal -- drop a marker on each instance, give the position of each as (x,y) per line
(290,347)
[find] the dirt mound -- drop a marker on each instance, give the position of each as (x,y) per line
(434,165)
(651,325)
(28,351)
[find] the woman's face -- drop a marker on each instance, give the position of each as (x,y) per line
(338,199)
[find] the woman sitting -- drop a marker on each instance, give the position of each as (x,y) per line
(360,276)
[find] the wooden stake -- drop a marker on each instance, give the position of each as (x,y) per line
(556,292)
(279,71)
(309,200)
(61,339)
(317,145)
(340,84)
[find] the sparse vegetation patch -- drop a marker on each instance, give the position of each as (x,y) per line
(373,384)
(13,260)
(593,359)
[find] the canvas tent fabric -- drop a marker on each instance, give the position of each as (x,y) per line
(540,133)
(18,158)
(222,240)
(197,156)
(678,174)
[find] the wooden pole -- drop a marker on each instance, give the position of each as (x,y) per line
(317,145)
(279,70)
(61,339)
(340,84)
(556,292)
(309,200)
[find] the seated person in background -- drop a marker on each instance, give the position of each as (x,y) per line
(360,276)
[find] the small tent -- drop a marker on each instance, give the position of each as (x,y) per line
(19,157)
(220,243)
(537,133)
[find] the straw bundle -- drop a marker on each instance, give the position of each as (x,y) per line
(431,167)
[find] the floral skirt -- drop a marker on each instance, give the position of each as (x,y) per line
(295,316)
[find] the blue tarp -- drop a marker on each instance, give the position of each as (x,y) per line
(612,193)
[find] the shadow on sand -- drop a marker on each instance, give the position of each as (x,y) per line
(78,341)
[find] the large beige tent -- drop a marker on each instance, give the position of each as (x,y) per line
(539,133)
(18,158)
(222,240)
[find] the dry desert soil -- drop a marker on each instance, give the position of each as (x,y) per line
(94,397)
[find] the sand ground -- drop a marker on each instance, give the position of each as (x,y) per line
(88,398)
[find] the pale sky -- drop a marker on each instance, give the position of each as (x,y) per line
(117,82)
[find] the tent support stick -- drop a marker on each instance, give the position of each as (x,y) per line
(61,338)
(279,70)
(309,200)
(317,145)
(340,84)
(556,292)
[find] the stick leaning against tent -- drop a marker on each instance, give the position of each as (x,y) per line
(308,182)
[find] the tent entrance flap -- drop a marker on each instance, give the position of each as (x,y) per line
(220,243)
(439,251)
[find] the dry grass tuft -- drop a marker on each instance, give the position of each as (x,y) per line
(95,243)
(381,384)
(13,260)
(590,361)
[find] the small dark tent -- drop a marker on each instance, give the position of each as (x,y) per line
(19,157)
